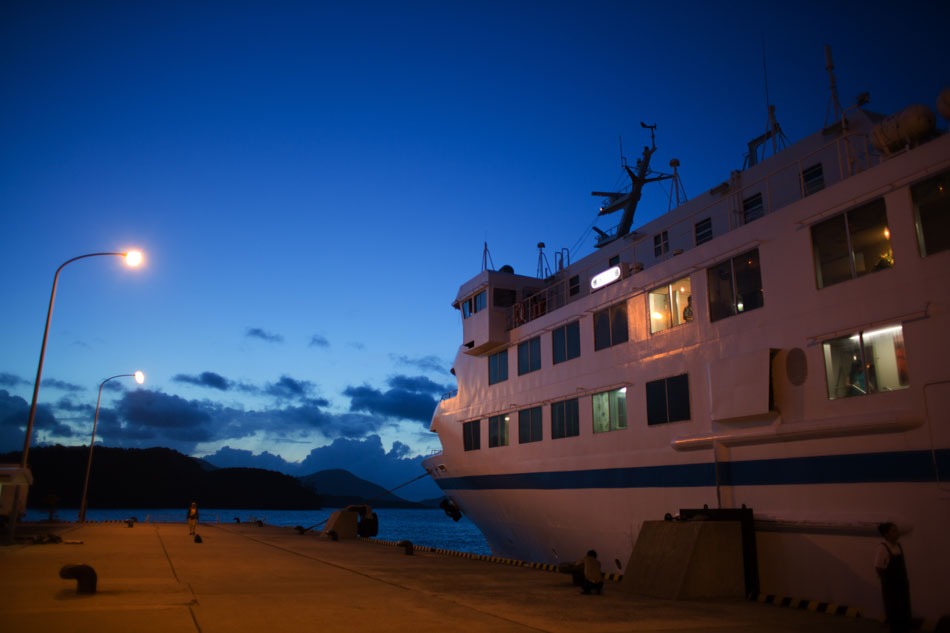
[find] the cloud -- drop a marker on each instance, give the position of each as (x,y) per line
(264,335)
(409,398)
(158,417)
(62,385)
(205,379)
(318,341)
(432,364)
(10,380)
(289,388)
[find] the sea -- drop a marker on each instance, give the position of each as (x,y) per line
(432,528)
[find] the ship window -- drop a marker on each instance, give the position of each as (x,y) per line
(668,400)
(565,419)
(610,326)
(498,367)
(735,286)
(661,243)
(670,305)
(529,356)
(932,213)
(852,244)
(566,342)
(472,435)
(866,362)
(703,231)
(610,410)
(574,285)
(752,208)
(475,303)
(497,431)
(813,179)
(529,425)
(505,297)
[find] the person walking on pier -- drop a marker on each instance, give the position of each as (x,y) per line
(892,570)
(192,518)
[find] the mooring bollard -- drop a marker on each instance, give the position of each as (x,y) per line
(407,547)
(84,575)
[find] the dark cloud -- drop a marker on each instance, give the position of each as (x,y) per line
(205,379)
(264,335)
(14,415)
(289,388)
(425,363)
(153,415)
(410,398)
(11,380)
(318,341)
(62,385)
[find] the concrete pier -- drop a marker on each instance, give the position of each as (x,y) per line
(154,578)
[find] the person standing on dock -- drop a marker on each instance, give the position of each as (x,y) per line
(892,571)
(192,518)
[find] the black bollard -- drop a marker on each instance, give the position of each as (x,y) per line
(406,546)
(84,575)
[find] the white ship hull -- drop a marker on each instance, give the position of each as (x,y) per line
(767,419)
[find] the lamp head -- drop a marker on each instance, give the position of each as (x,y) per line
(134,258)
(139,377)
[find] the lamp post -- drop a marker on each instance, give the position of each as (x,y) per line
(132,258)
(139,378)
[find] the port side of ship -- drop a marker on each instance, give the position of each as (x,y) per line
(778,343)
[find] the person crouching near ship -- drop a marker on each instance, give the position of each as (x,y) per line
(892,571)
(593,579)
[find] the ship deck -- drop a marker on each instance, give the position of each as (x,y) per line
(245,577)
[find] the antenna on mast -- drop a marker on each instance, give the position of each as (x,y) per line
(773,131)
(486,259)
(835,103)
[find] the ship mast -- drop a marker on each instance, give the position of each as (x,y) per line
(628,201)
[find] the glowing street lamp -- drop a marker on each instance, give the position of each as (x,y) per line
(133,258)
(139,378)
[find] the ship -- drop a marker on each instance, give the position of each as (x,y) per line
(773,349)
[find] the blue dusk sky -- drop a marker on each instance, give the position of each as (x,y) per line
(311,182)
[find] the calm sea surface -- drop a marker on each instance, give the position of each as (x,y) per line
(422,527)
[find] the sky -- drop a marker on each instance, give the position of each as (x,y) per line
(311,182)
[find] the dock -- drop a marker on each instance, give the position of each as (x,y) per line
(244,577)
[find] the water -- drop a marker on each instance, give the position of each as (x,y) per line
(423,527)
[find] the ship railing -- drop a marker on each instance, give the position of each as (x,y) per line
(852,154)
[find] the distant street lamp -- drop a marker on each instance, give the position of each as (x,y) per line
(132,258)
(139,378)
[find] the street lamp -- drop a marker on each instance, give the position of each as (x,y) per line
(139,378)
(132,258)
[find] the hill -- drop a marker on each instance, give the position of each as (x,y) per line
(340,488)
(155,478)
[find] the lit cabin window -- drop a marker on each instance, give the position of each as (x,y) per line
(668,400)
(932,213)
(472,435)
(735,286)
(475,303)
(529,425)
(497,431)
(565,419)
(610,410)
(852,244)
(671,305)
(866,362)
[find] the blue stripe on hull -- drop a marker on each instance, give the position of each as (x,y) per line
(896,467)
